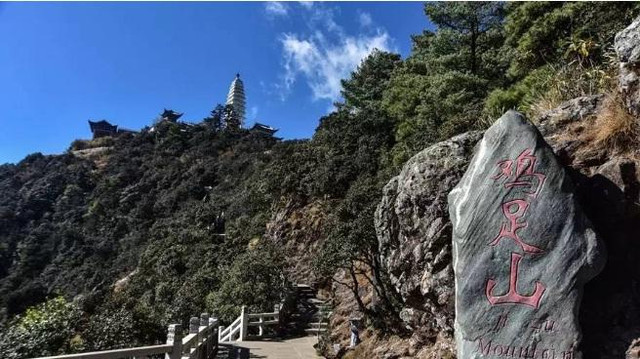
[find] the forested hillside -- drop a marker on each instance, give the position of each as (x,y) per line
(105,248)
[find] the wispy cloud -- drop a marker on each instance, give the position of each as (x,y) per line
(365,19)
(325,54)
(253,113)
(323,64)
(306,4)
(276,8)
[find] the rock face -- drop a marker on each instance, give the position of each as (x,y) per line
(414,234)
(554,120)
(627,46)
(523,249)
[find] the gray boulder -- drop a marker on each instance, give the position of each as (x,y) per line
(414,233)
(522,249)
(627,46)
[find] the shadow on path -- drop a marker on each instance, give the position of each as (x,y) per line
(230,351)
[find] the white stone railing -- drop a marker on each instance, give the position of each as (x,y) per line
(200,343)
(233,332)
(239,329)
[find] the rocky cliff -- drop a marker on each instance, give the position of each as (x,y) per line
(594,138)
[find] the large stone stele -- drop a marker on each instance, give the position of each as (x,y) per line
(522,249)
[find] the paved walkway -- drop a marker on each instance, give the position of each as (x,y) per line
(298,348)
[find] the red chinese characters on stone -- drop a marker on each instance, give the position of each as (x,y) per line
(512,296)
(523,175)
(514,211)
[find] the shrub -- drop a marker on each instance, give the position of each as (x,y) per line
(49,328)
(254,279)
(547,87)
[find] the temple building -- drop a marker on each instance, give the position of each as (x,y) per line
(263,129)
(236,99)
(103,128)
(170,115)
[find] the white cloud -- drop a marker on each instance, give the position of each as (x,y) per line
(323,64)
(365,19)
(275,8)
(253,113)
(324,53)
(323,18)
(306,4)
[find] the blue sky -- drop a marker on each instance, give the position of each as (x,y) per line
(62,64)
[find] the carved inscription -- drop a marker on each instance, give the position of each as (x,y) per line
(520,172)
(514,211)
(489,348)
(512,296)
(522,249)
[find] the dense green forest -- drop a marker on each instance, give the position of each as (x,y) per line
(106,250)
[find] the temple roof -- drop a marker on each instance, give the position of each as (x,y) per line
(101,122)
(102,125)
(170,115)
(264,128)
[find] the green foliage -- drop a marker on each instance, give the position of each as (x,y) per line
(521,93)
(152,205)
(548,86)
(539,32)
(120,328)
(351,234)
(223,118)
(558,51)
(255,279)
(47,329)
(469,33)
(439,89)
(365,87)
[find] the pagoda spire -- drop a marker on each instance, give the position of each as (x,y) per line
(236,99)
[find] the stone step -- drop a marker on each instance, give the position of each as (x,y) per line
(316,314)
(305,290)
(314,331)
(315,301)
(322,325)
(306,295)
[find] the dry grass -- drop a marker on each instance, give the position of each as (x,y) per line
(544,104)
(614,129)
(569,81)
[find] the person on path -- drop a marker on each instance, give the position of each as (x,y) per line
(355,337)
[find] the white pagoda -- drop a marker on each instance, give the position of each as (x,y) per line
(236,99)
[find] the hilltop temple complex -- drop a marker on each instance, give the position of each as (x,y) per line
(236,99)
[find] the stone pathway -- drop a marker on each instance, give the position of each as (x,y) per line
(306,322)
(296,348)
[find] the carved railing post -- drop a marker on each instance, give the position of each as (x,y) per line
(244,322)
(203,336)
(212,340)
(174,337)
(194,323)
(260,326)
(193,329)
